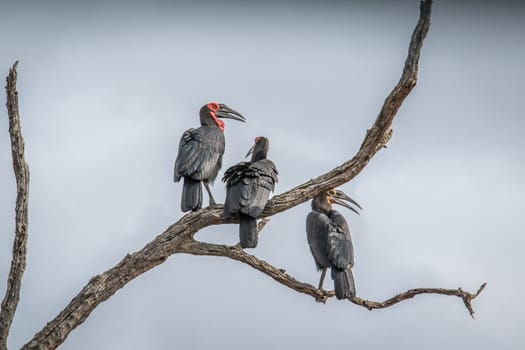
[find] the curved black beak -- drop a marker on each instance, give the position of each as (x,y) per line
(250,151)
(226,112)
(342,198)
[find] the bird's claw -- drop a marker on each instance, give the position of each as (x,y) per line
(323,298)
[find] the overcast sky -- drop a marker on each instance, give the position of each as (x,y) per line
(107,88)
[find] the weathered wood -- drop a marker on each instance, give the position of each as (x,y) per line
(21,169)
(459,292)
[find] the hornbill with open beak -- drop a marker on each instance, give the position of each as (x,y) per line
(330,242)
(200,154)
(248,186)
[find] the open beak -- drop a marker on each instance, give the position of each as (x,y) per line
(226,112)
(342,198)
(250,151)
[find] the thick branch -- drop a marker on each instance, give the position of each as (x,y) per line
(377,136)
(21,169)
(178,238)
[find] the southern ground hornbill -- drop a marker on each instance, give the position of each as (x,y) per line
(200,154)
(248,186)
(330,242)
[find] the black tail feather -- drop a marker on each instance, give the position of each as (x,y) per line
(343,283)
(248,231)
(191,195)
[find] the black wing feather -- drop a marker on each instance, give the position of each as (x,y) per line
(248,187)
(340,248)
(200,154)
(318,226)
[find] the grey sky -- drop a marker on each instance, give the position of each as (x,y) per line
(106,90)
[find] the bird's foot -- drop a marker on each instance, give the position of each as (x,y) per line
(323,298)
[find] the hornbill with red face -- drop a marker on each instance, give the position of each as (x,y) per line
(248,186)
(200,154)
(330,242)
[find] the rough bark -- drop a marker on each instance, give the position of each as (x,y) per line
(179,237)
(21,169)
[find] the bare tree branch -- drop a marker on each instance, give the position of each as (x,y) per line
(377,136)
(280,275)
(236,253)
(179,237)
(460,293)
(21,169)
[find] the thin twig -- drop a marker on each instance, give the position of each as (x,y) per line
(459,292)
(21,169)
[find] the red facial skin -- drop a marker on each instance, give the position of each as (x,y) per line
(213,106)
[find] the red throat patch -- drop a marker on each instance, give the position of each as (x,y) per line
(219,123)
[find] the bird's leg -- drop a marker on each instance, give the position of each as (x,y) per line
(212,201)
(322,279)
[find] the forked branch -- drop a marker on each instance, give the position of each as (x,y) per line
(179,237)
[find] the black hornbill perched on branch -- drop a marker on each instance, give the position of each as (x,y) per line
(200,154)
(330,242)
(248,186)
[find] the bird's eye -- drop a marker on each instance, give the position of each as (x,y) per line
(332,192)
(213,106)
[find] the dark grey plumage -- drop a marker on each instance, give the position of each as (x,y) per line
(329,239)
(199,159)
(200,154)
(248,187)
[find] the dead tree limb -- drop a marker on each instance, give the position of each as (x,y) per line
(460,293)
(21,169)
(280,275)
(179,237)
